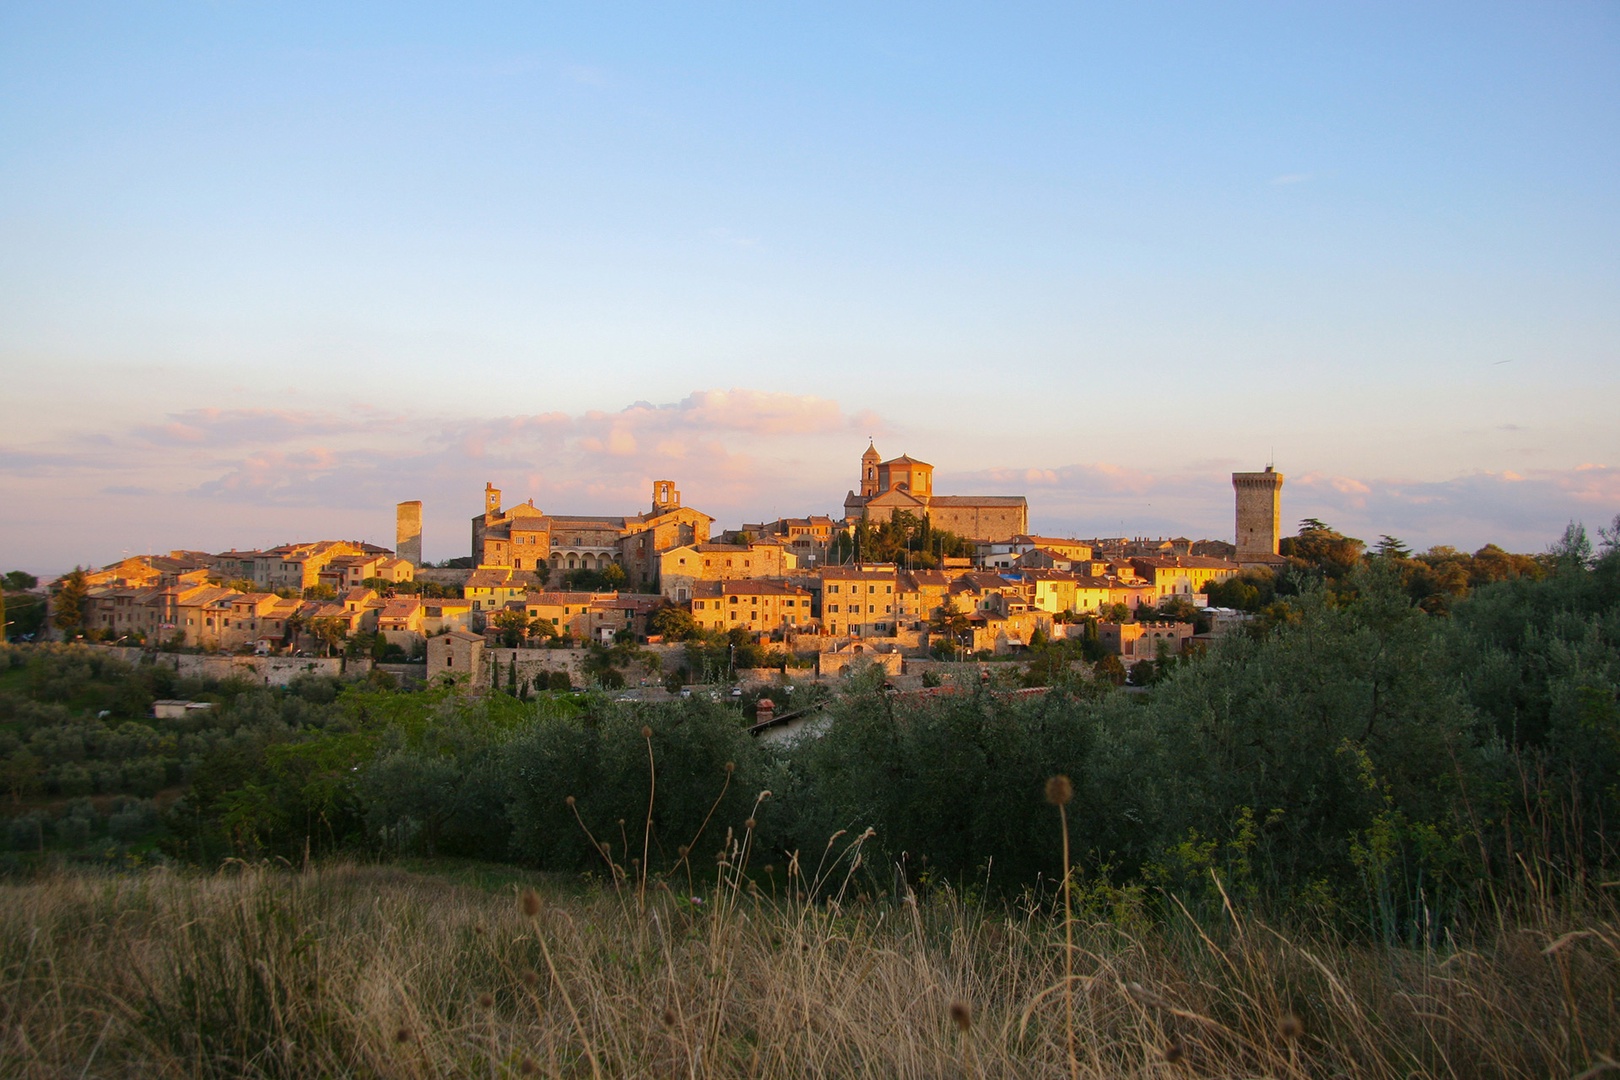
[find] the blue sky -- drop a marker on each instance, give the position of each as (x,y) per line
(267,269)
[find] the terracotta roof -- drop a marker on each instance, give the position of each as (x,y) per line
(1183,562)
(978,500)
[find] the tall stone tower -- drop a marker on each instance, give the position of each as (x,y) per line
(408,531)
(1259,513)
(869,471)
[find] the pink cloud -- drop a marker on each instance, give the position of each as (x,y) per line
(738,454)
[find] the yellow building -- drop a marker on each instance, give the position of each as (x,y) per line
(564,612)
(861,601)
(755,605)
(808,538)
(922,593)
(681,568)
(1182,575)
(490,588)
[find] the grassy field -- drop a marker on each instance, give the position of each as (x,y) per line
(350,970)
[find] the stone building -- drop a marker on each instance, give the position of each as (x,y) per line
(861,601)
(904,484)
(1140,640)
(682,567)
(456,653)
(524,537)
(807,537)
(758,606)
(1259,517)
(408,531)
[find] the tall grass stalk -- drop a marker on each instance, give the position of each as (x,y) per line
(345,970)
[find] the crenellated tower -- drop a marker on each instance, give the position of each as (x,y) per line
(1259,513)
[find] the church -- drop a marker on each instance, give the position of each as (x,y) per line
(904,483)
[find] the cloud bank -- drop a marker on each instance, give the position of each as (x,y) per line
(218,478)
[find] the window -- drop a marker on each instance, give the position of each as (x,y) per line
(833,608)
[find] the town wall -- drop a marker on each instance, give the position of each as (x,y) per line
(270,670)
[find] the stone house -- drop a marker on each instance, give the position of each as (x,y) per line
(456,654)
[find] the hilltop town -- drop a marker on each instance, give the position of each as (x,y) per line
(904,578)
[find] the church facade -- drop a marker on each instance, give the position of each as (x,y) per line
(524,537)
(906,484)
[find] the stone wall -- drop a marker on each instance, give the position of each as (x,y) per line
(269,670)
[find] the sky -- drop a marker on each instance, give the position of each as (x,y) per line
(268,269)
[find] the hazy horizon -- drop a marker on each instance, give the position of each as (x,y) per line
(267,272)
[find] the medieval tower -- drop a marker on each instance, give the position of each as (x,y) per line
(1259,514)
(408,531)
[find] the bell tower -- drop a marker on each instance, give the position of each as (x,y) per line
(492,502)
(665,497)
(869,471)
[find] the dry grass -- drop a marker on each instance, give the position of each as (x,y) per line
(345,970)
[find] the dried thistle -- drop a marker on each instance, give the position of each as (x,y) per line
(403,1035)
(961,1015)
(486,1000)
(1059,790)
(731,767)
(750,824)
(531,979)
(527,1067)
(529,900)
(1290,1027)
(668,1017)
(646,731)
(569,800)
(1174,1053)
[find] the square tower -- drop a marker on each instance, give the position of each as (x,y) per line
(408,531)
(1259,513)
